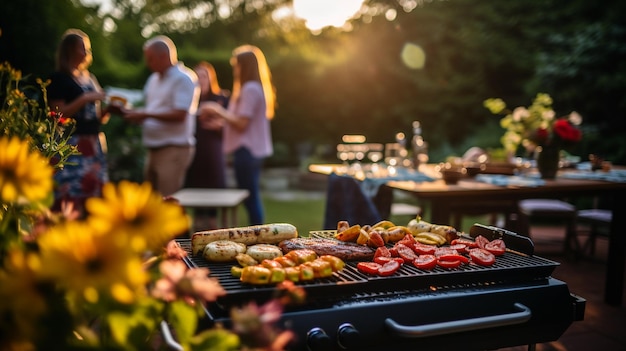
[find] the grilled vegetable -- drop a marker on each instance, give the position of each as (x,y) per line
(262,252)
(245,260)
(417,226)
(235,271)
(348,234)
(285,261)
(433,237)
(321,268)
(302,255)
(383,224)
(395,233)
(292,274)
(363,238)
(278,275)
(271,264)
(223,251)
(258,234)
(306,272)
(255,275)
(446,231)
(336,263)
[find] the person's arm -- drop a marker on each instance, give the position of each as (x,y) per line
(70,109)
(169,116)
(240,123)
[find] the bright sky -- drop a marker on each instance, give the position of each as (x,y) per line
(322,13)
(316,13)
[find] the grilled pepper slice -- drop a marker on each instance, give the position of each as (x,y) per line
(292,274)
(285,261)
(336,263)
(321,268)
(278,275)
(235,271)
(306,272)
(255,275)
(271,264)
(301,255)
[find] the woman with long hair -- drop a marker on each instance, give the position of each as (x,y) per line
(76,93)
(247,133)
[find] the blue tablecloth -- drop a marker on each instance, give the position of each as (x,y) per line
(505,180)
(360,201)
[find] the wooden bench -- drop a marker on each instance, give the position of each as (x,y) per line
(225,201)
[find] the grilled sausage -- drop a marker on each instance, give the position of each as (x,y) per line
(258,234)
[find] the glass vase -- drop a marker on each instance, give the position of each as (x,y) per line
(547,158)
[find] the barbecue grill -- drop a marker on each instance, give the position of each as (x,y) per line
(514,302)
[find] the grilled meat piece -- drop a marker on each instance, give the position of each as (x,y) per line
(347,251)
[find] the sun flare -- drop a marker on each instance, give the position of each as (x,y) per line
(324,13)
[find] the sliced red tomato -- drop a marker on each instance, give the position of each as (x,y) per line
(482,257)
(370,268)
(496,247)
(481,241)
(389,268)
(423,249)
(383,260)
(426,262)
(408,241)
(453,257)
(393,251)
(382,251)
(406,253)
(469,243)
(448,264)
(461,248)
(445,250)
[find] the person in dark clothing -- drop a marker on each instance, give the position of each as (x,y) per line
(208,168)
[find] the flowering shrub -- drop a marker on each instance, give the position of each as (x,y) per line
(536,125)
(106,281)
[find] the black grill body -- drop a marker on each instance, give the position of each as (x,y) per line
(514,302)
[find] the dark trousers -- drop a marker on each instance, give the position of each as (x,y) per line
(248,175)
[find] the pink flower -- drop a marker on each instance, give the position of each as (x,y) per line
(191,285)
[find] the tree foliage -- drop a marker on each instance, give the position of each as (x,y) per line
(338,82)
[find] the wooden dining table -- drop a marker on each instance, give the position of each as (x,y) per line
(442,198)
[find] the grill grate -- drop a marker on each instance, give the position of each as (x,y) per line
(509,268)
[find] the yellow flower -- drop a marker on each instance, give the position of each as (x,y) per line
(137,216)
(25,175)
(22,301)
(89,263)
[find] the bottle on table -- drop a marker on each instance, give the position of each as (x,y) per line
(419,146)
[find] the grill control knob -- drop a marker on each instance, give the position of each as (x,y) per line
(318,340)
(348,337)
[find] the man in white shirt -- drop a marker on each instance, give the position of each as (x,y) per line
(168,118)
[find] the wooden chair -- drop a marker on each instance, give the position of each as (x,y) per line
(599,221)
(530,209)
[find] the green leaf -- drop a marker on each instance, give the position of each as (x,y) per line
(215,340)
(184,319)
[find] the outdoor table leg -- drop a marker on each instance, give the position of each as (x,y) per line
(614,284)
(439,212)
(224,216)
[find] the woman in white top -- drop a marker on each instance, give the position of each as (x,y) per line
(247,133)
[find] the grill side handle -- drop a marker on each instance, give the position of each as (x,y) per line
(522,315)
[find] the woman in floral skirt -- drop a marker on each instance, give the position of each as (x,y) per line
(75,92)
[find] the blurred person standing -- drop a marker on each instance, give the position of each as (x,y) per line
(247,133)
(168,117)
(75,92)
(208,168)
